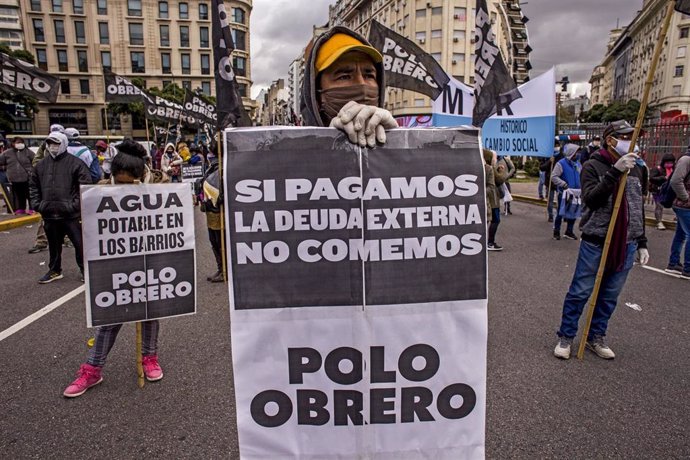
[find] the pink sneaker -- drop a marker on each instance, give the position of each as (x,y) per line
(30,212)
(87,376)
(19,212)
(152,370)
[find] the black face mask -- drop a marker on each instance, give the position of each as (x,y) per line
(334,99)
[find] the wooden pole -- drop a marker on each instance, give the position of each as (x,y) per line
(10,208)
(140,367)
(107,131)
(166,137)
(148,141)
(219,149)
(621,187)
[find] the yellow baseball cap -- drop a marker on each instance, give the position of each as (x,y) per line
(340,44)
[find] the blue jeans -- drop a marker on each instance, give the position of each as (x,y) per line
(682,237)
(542,183)
(549,205)
(582,286)
(558,221)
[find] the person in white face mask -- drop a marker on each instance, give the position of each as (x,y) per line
(54,192)
(17,162)
(600,179)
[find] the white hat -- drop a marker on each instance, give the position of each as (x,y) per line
(58,128)
(72,133)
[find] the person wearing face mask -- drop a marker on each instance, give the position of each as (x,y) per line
(54,192)
(601,176)
(592,147)
(343,87)
(17,161)
(547,166)
(566,180)
(171,163)
(657,177)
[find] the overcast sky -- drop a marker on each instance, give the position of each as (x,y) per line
(568,34)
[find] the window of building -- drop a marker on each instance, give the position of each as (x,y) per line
(103,33)
(57,6)
(35,5)
(437,33)
(64,86)
(59,30)
(680,52)
(165,35)
(165,63)
(436,56)
(80,31)
(684,32)
(166,83)
(239,64)
(187,84)
(203,11)
(184,10)
(62,60)
(102,7)
(42,58)
(676,90)
(138,62)
(437,10)
(184,36)
(134,7)
(459,58)
(205,64)
(83,61)
(420,35)
(679,71)
(136,33)
(206,87)
(242,89)
(84,87)
(39,32)
(163,12)
(105,60)
(78,6)
(203,37)
(419,102)
(459,34)
(238,15)
(186,63)
(460,13)
(420,13)
(240,39)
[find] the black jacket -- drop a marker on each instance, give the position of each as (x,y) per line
(657,176)
(598,181)
(309,103)
(547,166)
(54,188)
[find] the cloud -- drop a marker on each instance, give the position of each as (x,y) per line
(569,34)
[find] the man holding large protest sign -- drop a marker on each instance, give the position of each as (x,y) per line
(343,87)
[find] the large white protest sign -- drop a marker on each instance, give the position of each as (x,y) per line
(139,252)
(357,293)
(525,127)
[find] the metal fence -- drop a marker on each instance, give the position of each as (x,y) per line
(656,140)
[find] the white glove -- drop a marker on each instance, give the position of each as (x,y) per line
(642,256)
(364,124)
(626,162)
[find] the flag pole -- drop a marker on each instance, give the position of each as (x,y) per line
(621,187)
(107,131)
(219,149)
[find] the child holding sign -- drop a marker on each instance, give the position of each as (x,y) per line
(128,167)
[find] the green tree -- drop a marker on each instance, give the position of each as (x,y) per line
(29,104)
(617,110)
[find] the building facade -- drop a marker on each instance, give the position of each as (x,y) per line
(295,77)
(622,74)
(11,32)
(160,42)
(445,30)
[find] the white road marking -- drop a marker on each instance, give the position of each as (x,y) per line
(658,270)
(43,311)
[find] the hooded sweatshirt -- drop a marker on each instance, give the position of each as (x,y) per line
(309,101)
(659,175)
(167,162)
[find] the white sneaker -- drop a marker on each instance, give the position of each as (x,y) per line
(598,346)
(660,226)
(562,349)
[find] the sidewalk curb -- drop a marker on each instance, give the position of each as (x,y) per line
(19,222)
(670,225)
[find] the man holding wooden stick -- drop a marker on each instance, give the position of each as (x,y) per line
(601,177)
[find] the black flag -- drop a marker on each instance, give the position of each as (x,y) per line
(21,77)
(230,109)
(494,88)
(683,6)
(121,89)
(203,110)
(162,110)
(407,66)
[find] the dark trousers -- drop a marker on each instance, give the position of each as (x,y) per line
(493,226)
(20,191)
(214,237)
(56,231)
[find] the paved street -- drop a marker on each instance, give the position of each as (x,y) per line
(538,407)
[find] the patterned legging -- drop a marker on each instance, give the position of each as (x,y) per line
(105,339)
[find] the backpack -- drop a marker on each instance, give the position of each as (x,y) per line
(666,194)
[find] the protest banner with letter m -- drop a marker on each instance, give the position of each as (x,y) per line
(139,252)
(358,293)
